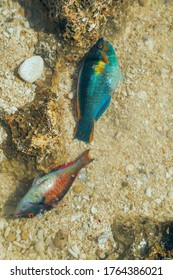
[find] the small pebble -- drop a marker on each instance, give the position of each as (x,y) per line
(100,254)
(7,231)
(130,93)
(10,30)
(11,237)
(169,134)
(93,210)
(118,135)
(76,249)
(3,135)
(28,91)
(103,238)
(158,200)
(170,194)
(82,256)
(142,244)
(74,254)
(25,235)
(144,2)
(78,188)
(60,239)
(40,235)
(82,176)
(6,34)
(148,192)
(2,252)
(18,244)
(76,217)
(130,168)
(59,243)
(112,256)
(3,223)
(31,69)
(169,173)
(92,26)
(142,95)
(39,247)
(26,24)
(85,209)
(70,95)
(5,12)
(17,31)
(124,184)
(149,43)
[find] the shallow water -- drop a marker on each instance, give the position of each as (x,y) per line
(131,176)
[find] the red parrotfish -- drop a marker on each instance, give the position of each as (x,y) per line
(98,78)
(48,190)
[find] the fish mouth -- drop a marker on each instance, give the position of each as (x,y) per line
(104,55)
(104,50)
(106,45)
(18,215)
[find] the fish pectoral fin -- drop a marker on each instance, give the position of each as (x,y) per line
(103,108)
(42,204)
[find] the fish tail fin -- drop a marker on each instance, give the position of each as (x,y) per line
(84,131)
(85,158)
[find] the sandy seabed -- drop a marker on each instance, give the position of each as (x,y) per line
(130,182)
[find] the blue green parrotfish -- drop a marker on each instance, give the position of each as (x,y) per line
(48,190)
(98,78)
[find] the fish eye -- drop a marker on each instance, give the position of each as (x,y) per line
(31,215)
(100,46)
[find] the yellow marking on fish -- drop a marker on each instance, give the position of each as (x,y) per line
(99,67)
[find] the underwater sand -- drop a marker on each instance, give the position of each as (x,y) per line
(131,177)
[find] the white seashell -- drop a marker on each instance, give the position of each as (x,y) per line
(31,69)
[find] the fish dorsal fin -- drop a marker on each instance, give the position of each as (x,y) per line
(38,176)
(67,165)
(39,179)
